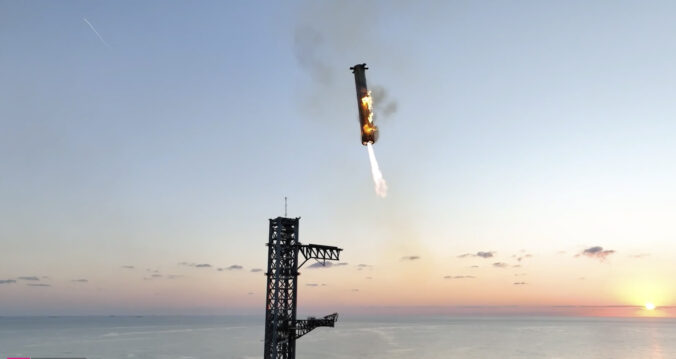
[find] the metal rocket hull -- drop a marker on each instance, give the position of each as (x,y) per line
(369,131)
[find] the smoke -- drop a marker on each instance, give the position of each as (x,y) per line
(328,38)
(309,45)
(386,106)
(378,179)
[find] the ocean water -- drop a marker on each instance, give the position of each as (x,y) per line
(159,337)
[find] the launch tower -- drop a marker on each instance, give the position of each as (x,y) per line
(284,254)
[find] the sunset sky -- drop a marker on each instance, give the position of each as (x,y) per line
(531,159)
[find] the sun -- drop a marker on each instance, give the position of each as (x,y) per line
(650,306)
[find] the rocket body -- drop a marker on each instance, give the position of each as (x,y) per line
(369,131)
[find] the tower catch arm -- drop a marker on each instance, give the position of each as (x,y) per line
(319,252)
(304,326)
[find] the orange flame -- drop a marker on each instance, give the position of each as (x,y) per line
(367,102)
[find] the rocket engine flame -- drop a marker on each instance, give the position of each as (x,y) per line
(378,179)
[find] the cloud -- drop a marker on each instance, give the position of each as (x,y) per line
(128,267)
(596,252)
(321,265)
(482,254)
(195,265)
(256,270)
(29,278)
(234,267)
(156,276)
(38,285)
(522,256)
(520,283)
(7,281)
(364,266)
(82,280)
(500,265)
(474,266)
(326,264)
(174,276)
(640,255)
(312,285)
(410,258)
(459,277)
(355,290)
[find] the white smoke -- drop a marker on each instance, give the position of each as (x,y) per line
(378,180)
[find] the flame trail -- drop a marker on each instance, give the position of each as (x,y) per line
(378,180)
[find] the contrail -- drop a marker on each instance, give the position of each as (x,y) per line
(96,32)
(378,180)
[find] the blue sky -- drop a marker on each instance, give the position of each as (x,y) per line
(536,126)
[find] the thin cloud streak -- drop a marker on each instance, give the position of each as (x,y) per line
(96,32)
(482,254)
(459,277)
(410,258)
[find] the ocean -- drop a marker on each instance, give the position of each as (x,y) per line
(241,337)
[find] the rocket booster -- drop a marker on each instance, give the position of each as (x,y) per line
(369,131)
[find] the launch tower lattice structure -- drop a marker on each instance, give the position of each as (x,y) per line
(284,254)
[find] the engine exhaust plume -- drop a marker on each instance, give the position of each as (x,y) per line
(378,179)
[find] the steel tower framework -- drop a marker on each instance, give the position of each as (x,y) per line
(284,251)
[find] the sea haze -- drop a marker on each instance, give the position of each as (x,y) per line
(159,337)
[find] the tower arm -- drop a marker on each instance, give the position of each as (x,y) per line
(304,326)
(319,252)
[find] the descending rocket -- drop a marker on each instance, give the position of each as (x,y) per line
(369,131)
